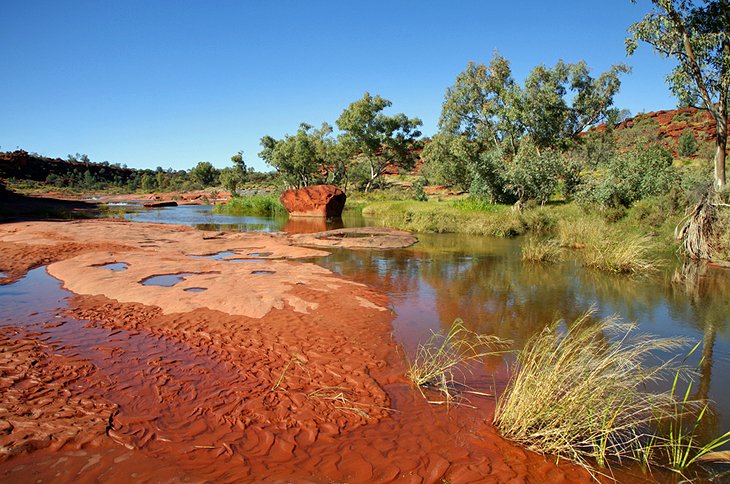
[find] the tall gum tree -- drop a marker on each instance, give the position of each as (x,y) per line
(554,106)
(380,139)
(698,38)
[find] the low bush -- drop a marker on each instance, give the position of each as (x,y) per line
(630,177)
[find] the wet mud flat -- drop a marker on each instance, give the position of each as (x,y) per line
(289,374)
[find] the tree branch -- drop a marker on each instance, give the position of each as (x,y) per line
(692,63)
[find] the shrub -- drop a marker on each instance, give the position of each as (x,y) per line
(490,178)
(449,159)
(534,176)
(419,193)
(687,143)
(629,177)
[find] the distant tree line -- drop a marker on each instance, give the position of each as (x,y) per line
(78,172)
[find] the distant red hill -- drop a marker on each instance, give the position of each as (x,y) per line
(26,166)
(666,126)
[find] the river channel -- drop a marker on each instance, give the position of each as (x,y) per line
(484,282)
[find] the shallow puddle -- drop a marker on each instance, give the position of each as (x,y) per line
(115,266)
(166,280)
(219,256)
(195,289)
(263,272)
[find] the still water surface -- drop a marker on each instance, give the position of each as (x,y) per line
(483,281)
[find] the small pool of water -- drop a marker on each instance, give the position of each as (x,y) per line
(263,272)
(166,280)
(115,266)
(195,289)
(218,256)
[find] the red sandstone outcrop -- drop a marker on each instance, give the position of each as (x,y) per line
(314,201)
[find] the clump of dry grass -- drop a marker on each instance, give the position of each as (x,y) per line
(541,251)
(582,395)
(576,234)
(442,357)
(695,232)
(631,255)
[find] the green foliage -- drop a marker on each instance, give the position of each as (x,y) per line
(231,178)
(486,104)
(629,177)
(205,174)
(687,143)
(482,104)
(307,158)
(380,140)
(450,160)
(534,176)
(418,192)
(149,183)
(490,178)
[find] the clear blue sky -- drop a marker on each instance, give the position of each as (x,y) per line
(173,82)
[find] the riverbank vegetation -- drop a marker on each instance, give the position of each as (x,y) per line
(581,391)
(594,391)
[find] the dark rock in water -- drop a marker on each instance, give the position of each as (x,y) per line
(170,203)
(314,201)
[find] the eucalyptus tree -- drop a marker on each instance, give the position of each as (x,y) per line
(697,36)
(204,173)
(484,104)
(547,116)
(378,140)
(487,116)
(487,104)
(301,159)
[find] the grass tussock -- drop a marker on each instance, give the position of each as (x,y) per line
(632,254)
(541,251)
(442,359)
(268,204)
(582,394)
(576,234)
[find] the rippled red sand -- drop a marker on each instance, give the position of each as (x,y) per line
(119,391)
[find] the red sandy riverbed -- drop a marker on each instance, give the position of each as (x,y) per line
(278,371)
